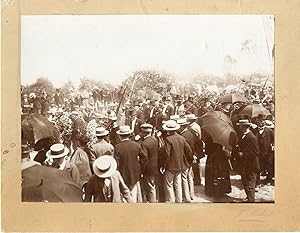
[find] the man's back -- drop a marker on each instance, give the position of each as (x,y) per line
(149,156)
(178,152)
(101,147)
(126,154)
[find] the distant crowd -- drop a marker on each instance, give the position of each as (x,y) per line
(146,150)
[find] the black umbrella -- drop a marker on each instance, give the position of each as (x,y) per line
(50,185)
(233,98)
(40,127)
(219,127)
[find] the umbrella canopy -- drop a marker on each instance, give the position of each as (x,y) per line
(41,127)
(219,127)
(233,98)
(51,185)
(253,110)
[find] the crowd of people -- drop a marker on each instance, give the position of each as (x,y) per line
(145,150)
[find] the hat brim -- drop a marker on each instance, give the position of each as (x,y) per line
(171,129)
(243,124)
(124,133)
(102,134)
(270,126)
(110,172)
(146,129)
(49,155)
(183,124)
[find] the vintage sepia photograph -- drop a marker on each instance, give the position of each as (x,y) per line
(147,108)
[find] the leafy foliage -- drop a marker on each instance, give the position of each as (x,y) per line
(41,84)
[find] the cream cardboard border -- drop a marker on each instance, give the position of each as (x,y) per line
(283,215)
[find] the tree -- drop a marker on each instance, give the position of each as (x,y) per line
(149,80)
(41,84)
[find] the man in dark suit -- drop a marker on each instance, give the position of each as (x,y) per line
(58,98)
(265,137)
(79,128)
(249,153)
(167,108)
(36,103)
(149,161)
(135,123)
(178,157)
(127,155)
(187,175)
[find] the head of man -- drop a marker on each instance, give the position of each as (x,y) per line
(124,132)
(101,133)
(243,125)
(57,154)
(146,129)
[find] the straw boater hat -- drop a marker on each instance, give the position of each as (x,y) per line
(124,130)
(146,127)
(244,122)
(57,151)
(171,125)
(269,124)
(182,122)
(104,166)
(100,131)
(191,117)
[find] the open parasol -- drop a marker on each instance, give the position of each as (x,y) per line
(253,110)
(233,98)
(219,127)
(50,185)
(40,126)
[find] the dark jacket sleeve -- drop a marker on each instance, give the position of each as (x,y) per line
(124,189)
(89,190)
(188,152)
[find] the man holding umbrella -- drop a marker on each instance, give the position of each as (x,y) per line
(249,152)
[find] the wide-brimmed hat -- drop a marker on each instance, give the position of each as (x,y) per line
(100,131)
(191,117)
(171,125)
(182,122)
(57,151)
(105,166)
(269,124)
(124,130)
(244,122)
(146,127)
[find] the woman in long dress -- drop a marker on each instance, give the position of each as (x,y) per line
(217,170)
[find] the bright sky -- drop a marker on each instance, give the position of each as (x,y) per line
(110,47)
